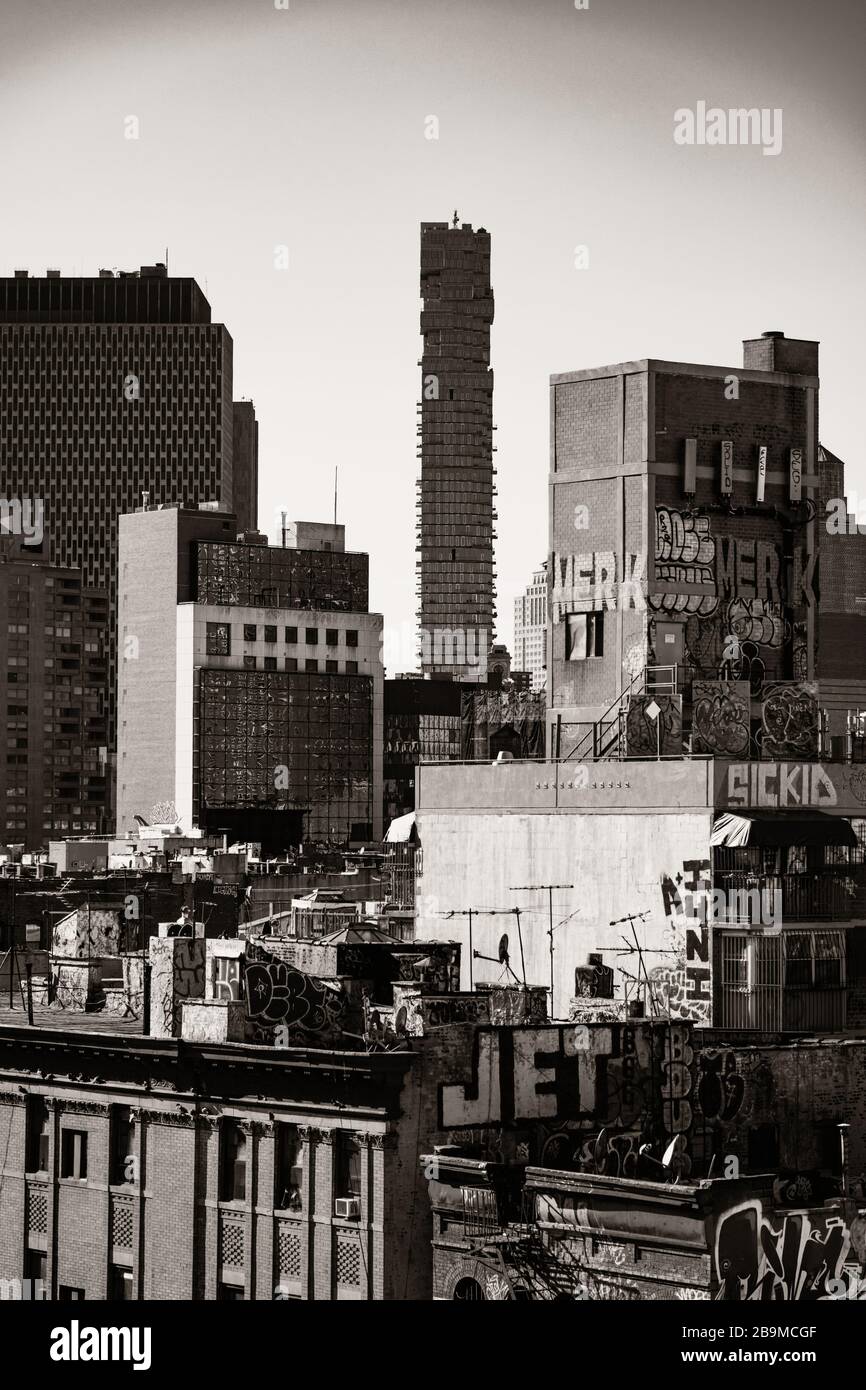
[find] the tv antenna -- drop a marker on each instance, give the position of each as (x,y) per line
(547,888)
(469,913)
(629,949)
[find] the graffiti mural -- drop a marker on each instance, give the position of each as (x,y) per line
(685,554)
(598,1092)
(791,1255)
(87,934)
(789,720)
(756,620)
(720,1088)
(176,973)
(776,785)
(596,581)
(682,988)
(720,718)
(733,593)
(647,736)
(277,994)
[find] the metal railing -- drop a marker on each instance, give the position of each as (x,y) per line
(756,898)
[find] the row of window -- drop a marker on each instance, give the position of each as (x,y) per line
(124,1163)
(120,1287)
(219,636)
(291,663)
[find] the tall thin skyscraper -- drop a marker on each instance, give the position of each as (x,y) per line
(456,490)
(116,390)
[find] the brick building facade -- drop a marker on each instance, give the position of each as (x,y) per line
(689,549)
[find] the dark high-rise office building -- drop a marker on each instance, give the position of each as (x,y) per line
(53,687)
(456,491)
(114,388)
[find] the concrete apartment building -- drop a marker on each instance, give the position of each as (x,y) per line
(250,690)
(113,388)
(530,629)
(54,690)
(456,512)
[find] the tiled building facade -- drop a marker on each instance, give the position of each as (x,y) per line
(456,513)
(53,687)
(110,388)
(689,547)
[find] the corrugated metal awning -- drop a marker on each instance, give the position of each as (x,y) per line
(776,829)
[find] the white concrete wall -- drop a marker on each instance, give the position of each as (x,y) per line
(615,860)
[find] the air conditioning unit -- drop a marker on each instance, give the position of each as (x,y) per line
(349,1208)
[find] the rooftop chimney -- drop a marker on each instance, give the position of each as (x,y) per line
(773,352)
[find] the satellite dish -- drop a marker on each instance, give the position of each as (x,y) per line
(503,949)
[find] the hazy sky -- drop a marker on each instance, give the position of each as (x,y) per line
(262,127)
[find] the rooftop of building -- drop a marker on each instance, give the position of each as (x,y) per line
(797,363)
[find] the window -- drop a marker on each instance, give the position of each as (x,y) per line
(270,663)
(120,1284)
(311,665)
(469,1291)
(333,666)
(230,1293)
(219,640)
(347,1156)
(233,1163)
(36,1271)
(270,633)
(124,1164)
(332,637)
(250,663)
(312,636)
(584,636)
(289,1168)
(73,1154)
(814,959)
(351,668)
(291,663)
(249,632)
(68,1294)
(352,637)
(36,1160)
(291,634)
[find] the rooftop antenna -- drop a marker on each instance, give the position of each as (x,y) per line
(166,260)
(638,950)
(283,528)
(455,219)
(548,889)
(336,471)
(470,912)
